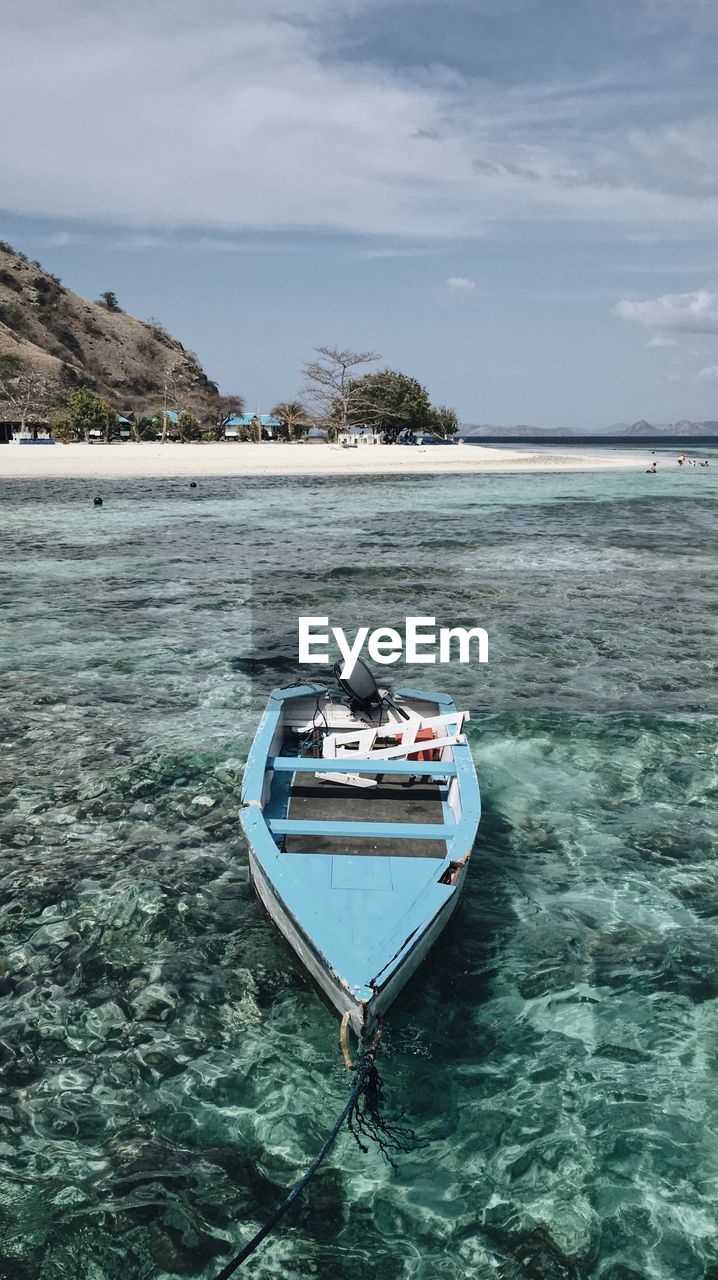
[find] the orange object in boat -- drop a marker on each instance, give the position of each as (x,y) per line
(424,735)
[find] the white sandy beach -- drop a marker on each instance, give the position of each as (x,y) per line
(118,461)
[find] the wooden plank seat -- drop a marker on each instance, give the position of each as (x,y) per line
(381,830)
(402,768)
(391,804)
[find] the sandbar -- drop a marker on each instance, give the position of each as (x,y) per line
(139,460)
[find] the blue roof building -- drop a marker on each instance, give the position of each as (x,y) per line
(266,422)
(170,414)
(251,419)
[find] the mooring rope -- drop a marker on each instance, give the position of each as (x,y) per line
(365,1121)
(344,1041)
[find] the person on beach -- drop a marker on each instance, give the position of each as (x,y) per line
(681,459)
(651,471)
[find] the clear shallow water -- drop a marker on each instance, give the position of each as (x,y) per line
(164,1070)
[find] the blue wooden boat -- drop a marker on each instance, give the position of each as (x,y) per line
(360,817)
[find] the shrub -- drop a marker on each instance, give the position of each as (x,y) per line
(144,428)
(46,284)
(188,426)
(8,279)
(140,385)
(12,315)
(62,430)
(156,327)
(68,339)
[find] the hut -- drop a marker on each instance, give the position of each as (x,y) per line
(359,435)
(264,425)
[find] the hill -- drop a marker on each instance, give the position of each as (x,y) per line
(685,427)
(76,342)
(493,432)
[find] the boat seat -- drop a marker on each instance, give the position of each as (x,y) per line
(395,768)
(379,830)
(392,819)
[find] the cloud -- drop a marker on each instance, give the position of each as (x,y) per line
(220,116)
(266,116)
(63,239)
(138,242)
(679,158)
(662,340)
(710,373)
(674,312)
(460,284)
(399,251)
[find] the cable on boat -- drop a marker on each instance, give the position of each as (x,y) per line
(362,1113)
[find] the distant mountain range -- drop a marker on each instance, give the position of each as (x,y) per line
(642,428)
(683,428)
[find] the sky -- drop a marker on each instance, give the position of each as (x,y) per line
(515,201)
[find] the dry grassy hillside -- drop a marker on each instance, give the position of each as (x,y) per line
(79,342)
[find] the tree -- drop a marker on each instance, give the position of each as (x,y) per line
(61,430)
(171,394)
(144,427)
(336,395)
(229,406)
(444,421)
(30,394)
(391,402)
(87,411)
(188,426)
(180,385)
(109,300)
(293,416)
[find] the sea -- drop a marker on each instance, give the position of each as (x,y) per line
(166,1071)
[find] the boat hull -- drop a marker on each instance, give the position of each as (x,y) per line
(360,884)
(363,1015)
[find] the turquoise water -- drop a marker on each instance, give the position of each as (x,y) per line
(165,1072)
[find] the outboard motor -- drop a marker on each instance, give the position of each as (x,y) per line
(361,688)
(363,691)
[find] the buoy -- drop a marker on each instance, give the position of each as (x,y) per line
(193,484)
(98,502)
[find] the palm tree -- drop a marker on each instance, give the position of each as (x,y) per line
(293,415)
